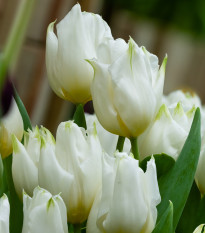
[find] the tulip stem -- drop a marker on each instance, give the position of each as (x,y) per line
(120,143)
(77,228)
(134,147)
(79,116)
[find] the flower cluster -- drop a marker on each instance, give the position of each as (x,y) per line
(122,172)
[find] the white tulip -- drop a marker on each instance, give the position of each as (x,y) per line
(186,98)
(4,214)
(44,213)
(26,159)
(11,123)
(78,36)
(127,92)
(167,134)
(72,167)
(200,229)
(108,140)
(129,197)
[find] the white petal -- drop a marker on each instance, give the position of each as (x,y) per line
(24,171)
(4,214)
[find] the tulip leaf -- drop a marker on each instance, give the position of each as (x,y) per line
(176,184)
(193,214)
(3,183)
(163,163)
(16,206)
(22,110)
(165,224)
(79,116)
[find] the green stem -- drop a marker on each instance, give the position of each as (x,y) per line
(120,143)
(134,148)
(16,37)
(16,206)
(77,228)
(79,116)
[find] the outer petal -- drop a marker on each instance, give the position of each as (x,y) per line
(24,171)
(44,213)
(51,56)
(151,194)
(92,218)
(11,123)
(199,228)
(4,214)
(128,198)
(52,176)
(110,50)
(102,93)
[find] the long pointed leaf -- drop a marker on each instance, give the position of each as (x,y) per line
(176,184)
(165,225)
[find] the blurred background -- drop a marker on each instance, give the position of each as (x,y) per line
(175,27)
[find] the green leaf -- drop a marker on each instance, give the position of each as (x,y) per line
(165,224)
(3,183)
(16,206)
(176,184)
(79,116)
(163,163)
(22,110)
(193,214)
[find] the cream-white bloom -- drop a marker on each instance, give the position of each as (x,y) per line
(108,140)
(44,213)
(11,123)
(186,98)
(168,132)
(127,88)
(73,167)
(78,36)
(128,199)
(4,214)
(26,160)
(200,229)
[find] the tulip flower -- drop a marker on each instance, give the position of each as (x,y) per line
(186,98)
(127,92)
(200,229)
(44,213)
(11,123)
(78,36)
(72,166)
(26,159)
(4,214)
(108,140)
(167,134)
(128,199)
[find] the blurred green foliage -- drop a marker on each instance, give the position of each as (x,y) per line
(187,15)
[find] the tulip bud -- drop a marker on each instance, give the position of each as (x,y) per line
(167,134)
(200,229)
(129,197)
(186,98)
(44,213)
(11,123)
(78,36)
(73,167)
(108,140)
(127,92)
(4,214)
(26,159)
